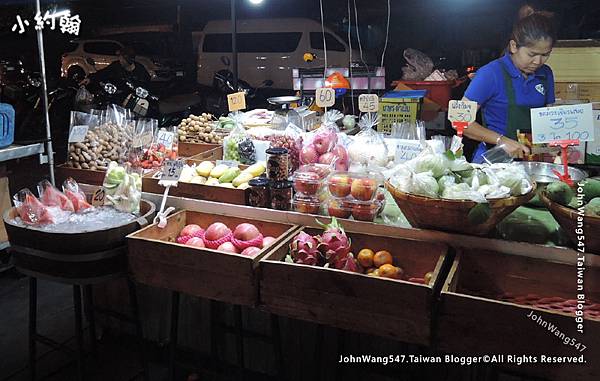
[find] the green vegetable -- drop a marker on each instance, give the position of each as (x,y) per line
(574,204)
(229,175)
(591,189)
(433,163)
(479,214)
(560,192)
(115,175)
(593,208)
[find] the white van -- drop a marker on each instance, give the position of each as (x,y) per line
(268,49)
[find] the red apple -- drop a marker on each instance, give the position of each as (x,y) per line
(307,183)
(251,251)
(364,212)
(327,158)
(228,248)
(340,185)
(338,210)
(268,241)
(363,189)
(190,230)
(196,242)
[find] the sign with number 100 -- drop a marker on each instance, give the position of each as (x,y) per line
(572,122)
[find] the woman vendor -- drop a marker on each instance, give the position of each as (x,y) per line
(507,88)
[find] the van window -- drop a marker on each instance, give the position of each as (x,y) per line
(316,42)
(253,42)
(104,48)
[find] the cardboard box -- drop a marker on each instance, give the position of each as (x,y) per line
(399,106)
(582,91)
(576,61)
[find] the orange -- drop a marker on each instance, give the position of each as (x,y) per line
(382,258)
(370,270)
(365,258)
(427,277)
(374,273)
(390,271)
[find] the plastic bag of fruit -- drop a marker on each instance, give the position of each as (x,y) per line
(31,210)
(238,145)
(324,146)
(291,139)
(164,145)
(123,187)
(368,148)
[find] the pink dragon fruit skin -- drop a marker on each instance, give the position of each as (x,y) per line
(347,263)
(334,244)
(303,249)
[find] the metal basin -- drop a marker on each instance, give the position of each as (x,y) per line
(542,174)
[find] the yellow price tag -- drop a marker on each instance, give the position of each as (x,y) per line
(325,97)
(236,101)
(368,103)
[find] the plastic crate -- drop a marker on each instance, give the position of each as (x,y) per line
(7,125)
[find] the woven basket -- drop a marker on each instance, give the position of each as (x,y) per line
(567,219)
(452,215)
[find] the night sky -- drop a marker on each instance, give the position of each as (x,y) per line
(462,31)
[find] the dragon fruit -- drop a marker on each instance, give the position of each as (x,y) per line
(347,263)
(333,244)
(303,249)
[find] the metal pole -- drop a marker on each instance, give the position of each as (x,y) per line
(234,51)
(49,149)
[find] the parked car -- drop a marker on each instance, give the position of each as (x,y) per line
(268,49)
(89,56)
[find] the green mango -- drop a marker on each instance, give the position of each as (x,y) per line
(560,192)
(591,189)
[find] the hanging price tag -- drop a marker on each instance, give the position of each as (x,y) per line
(368,103)
(98,197)
(165,138)
(325,97)
(572,122)
(77,134)
(462,111)
(172,170)
(236,101)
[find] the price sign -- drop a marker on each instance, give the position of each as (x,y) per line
(77,134)
(172,170)
(165,138)
(572,122)
(462,111)
(368,103)
(98,197)
(236,101)
(406,149)
(325,97)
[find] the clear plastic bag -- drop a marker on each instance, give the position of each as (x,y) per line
(323,145)
(368,148)
(238,145)
(50,196)
(75,195)
(31,210)
(291,139)
(123,188)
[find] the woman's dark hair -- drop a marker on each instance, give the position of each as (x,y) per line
(533,26)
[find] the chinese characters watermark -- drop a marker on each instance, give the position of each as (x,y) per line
(67,23)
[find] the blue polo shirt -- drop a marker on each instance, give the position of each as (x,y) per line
(489,91)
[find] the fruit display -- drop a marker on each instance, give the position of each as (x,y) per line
(123,188)
(101,145)
(368,147)
(209,173)
(199,129)
(309,179)
(333,249)
(156,154)
(306,204)
(323,145)
(563,194)
(245,239)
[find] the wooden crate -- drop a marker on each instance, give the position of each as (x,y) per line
(198,191)
(189,150)
(155,259)
(395,309)
(83,176)
(475,320)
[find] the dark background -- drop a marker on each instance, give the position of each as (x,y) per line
(461,32)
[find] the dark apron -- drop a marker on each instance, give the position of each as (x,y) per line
(518,117)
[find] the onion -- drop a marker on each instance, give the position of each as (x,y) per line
(228,248)
(246,232)
(216,231)
(251,251)
(268,241)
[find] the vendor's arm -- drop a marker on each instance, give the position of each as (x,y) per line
(479,133)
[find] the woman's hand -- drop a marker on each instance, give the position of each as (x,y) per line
(514,149)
